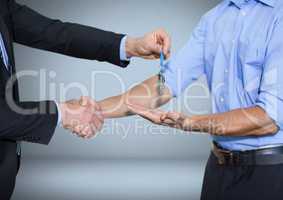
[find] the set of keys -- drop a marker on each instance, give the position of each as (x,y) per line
(161,77)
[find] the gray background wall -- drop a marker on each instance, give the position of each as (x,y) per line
(133,17)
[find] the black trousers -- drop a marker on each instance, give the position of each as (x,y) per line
(242,182)
(9,166)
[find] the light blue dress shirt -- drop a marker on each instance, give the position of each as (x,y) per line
(238,46)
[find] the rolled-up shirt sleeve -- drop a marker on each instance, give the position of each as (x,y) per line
(188,65)
(271,89)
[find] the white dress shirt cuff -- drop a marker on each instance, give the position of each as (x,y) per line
(59,113)
(123,54)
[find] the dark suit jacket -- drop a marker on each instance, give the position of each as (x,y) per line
(22,25)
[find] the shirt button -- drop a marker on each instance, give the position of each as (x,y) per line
(244,13)
(226,71)
(221,99)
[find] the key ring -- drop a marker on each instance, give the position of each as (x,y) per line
(161,78)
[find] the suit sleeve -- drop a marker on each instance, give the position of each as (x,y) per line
(28,121)
(32,29)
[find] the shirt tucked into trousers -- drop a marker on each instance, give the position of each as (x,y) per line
(238,47)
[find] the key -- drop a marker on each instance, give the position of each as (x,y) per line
(161,78)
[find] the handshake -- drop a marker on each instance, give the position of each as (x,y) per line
(83,117)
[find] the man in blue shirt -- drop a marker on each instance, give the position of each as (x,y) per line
(238,46)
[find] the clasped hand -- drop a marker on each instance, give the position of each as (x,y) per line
(83,117)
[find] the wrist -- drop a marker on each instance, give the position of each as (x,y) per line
(188,124)
(131,47)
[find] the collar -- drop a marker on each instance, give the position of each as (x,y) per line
(239,3)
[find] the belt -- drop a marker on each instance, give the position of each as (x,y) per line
(267,156)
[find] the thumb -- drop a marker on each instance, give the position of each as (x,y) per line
(83,101)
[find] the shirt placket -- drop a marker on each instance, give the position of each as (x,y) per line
(228,71)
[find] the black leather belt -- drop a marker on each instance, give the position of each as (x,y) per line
(267,156)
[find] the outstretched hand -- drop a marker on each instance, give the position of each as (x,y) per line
(170,119)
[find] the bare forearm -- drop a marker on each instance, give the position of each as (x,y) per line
(240,122)
(145,94)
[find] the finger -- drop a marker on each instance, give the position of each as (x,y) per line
(173,116)
(167,53)
(152,56)
(156,49)
(153,117)
(97,106)
(68,127)
(168,122)
(99,115)
(93,107)
(98,111)
(77,130)
(93,131)
(72,101)
(97,123)
(73,125)
(166,45)
(163,116)
(171,124)
(87,132)
(164,40)
(90,131)
(93,103)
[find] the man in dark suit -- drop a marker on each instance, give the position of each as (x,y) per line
(36,121)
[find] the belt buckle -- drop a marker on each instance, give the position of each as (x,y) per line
(221,160)
(226,157)
(222,156)
(229,158)
(234,159)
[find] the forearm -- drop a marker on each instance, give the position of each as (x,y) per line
(241,122)
(145,94)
